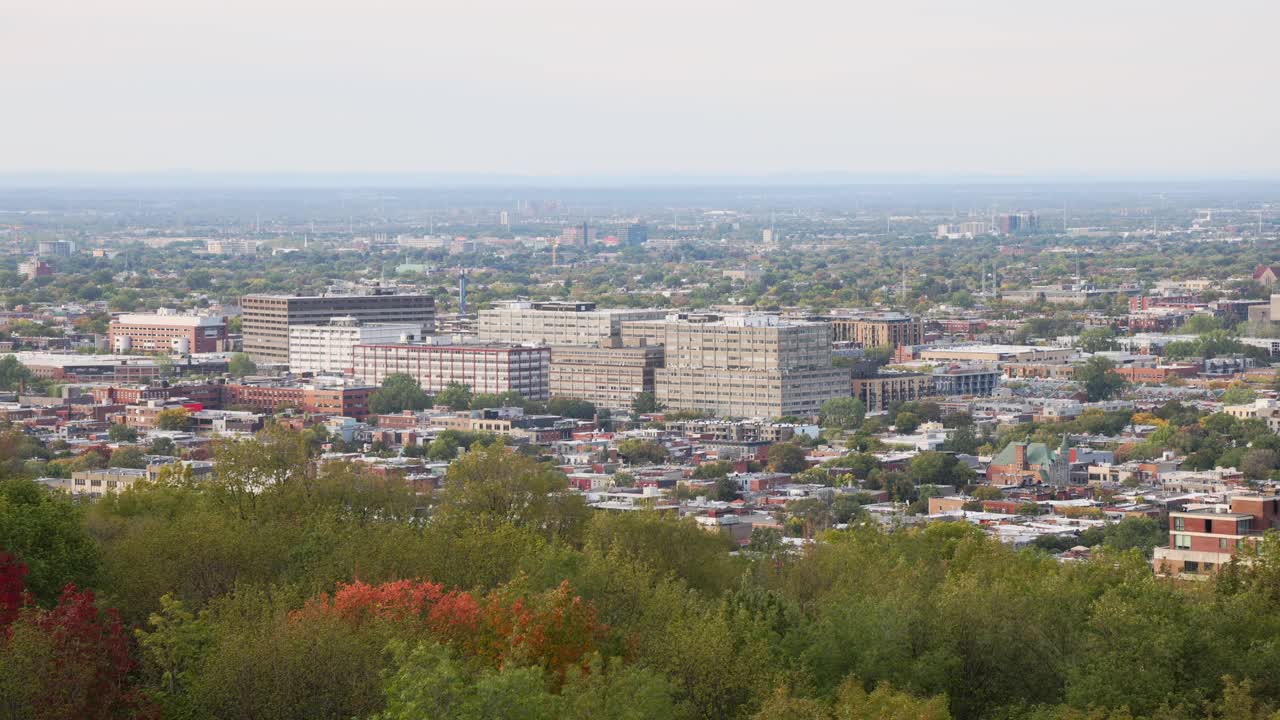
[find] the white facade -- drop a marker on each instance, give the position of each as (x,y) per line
(329,348)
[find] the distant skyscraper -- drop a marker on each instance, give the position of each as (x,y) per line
(637,234)
(504,220)
(767,236)
(577,235)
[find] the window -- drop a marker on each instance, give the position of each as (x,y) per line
(1179,523)
(1191,566)
(1224,544)
(1182,542)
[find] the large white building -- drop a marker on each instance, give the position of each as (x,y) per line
(329,348)
(556,323)
(491,368)
(742,365)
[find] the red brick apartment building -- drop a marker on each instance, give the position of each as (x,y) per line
(344,401)
(1202,539)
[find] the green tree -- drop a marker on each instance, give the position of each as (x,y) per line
(644,403)
(44,531)
(241,364)
(572,408)
(906,422)
(642,452)
(713,469)
(122,433)
(787,458)
(173,419)
(1099,377)
(13,373)
(130,456)
(1238,395)
(455,395)
(493,485)
(843,413)
(429,682)
(399,392)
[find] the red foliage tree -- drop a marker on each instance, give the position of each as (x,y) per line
(554,630)
(90,661)
(85,674)
(13,583)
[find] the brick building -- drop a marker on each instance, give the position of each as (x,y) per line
(1203,538)
(167,332)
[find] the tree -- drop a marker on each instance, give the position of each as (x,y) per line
(711,470)
(241,364)
(1099,378)
(571,408)
(1259,464)
(164,365)
(162,446)
(933,468)
(644,403)
(1238,395)
(510,398)
(443,448)
(44,531)
(13,373)
(843,413)
(726,489)
(128,457)
(455,395)
(173,419)
(787,458)
(71,661)
(642,452)
(1142,533)
(122,433)
(399,392)
(1097,339)
(906,422)
(493,485)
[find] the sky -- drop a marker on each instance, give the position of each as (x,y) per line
(1105,88)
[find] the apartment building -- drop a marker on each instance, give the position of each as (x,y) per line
(267,319)
(334,398)
(329,348)
(877,392)
(1202,538)
(965,380)
(484,367)
(1266,409)
(166,332)
(741,365)
(888,329)
(555,323)
(608,375)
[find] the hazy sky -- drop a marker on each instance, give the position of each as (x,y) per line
(558,87)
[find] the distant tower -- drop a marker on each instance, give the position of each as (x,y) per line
(637,234)
(504,220)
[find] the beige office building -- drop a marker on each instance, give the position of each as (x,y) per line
(555,323)
(266,319)
(608,375)
(742,365)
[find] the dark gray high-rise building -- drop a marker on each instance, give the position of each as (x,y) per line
(266,319)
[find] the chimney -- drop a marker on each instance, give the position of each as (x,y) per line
(1020,455)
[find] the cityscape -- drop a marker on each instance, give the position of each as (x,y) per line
(695,420)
